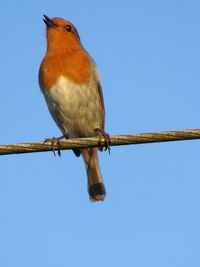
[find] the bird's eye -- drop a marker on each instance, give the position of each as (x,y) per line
(68,28)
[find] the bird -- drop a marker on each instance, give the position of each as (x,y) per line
(70,83)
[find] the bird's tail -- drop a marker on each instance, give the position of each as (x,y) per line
(96,187)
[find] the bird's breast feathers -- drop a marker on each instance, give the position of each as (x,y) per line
(76,109)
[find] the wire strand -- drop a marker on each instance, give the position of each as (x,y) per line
(116,140)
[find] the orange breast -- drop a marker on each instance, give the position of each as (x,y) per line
(74,66)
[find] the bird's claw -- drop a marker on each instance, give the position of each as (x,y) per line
(106,137)
(54,141)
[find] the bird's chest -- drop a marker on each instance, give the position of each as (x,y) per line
(74,107)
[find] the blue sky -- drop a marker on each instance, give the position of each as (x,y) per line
(148,56)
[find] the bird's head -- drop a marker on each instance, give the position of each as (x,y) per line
(61,32)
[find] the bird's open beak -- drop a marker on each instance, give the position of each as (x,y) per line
(49,22)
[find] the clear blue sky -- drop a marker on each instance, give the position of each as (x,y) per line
(148,55)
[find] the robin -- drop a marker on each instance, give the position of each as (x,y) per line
(69,80)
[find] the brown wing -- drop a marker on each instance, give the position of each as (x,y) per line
(77,151)
(102,103)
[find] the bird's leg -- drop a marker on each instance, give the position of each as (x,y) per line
(56,141)
(106,136)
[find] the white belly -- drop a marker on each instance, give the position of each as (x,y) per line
(77,110)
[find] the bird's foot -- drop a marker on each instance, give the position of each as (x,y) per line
(106,136)
(55,142)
